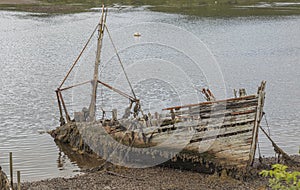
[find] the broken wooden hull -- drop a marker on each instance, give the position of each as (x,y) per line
(220,133)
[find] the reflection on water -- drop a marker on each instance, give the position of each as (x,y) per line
(83,161)
(36,52)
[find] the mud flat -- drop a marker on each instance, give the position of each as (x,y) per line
(150,178)
(110,177)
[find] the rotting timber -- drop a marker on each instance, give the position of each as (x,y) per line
(216,134)
(4,183)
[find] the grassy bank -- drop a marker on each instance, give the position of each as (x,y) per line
(189,7)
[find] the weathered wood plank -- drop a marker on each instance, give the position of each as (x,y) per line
(229,120)
(175,140)
(218,113)
(214,109)
(202,125)
(214,102)
(222,132)
(220,143)
(220,106)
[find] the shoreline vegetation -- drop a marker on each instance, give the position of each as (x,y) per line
(207,8)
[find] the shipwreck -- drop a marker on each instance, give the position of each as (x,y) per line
(214,133)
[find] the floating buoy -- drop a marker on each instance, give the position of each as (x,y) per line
(137,34)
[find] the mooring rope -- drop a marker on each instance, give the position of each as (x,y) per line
(259,152)
(265,116)
(278,150)
(258,146)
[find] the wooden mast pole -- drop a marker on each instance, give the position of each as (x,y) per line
(92,107)
(61,119)
(64,106)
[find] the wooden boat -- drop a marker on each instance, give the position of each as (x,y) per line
(218,133)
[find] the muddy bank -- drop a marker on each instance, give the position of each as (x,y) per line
(107,176)
(75,135)
(152,178)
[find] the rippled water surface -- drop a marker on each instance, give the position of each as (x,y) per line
(36,52)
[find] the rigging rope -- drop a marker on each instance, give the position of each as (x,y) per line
(75,85)
(278,150)
(259,153)
(78,56)
(116,51)
(267,124)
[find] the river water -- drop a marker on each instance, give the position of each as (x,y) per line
(37,50)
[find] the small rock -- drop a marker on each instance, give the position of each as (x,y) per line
(107,188)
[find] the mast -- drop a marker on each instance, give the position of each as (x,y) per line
(101,26)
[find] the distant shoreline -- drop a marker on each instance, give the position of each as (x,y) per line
(19,2)
(205,8)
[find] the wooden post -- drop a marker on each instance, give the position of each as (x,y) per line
(64,106)
(19,179)
(62,120)
(242,92)
(115,114)
(11,170)
(235,93)
(259,114)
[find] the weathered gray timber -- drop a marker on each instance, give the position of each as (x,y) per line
(227,139)
(4,183)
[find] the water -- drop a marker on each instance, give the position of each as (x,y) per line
(36,52)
